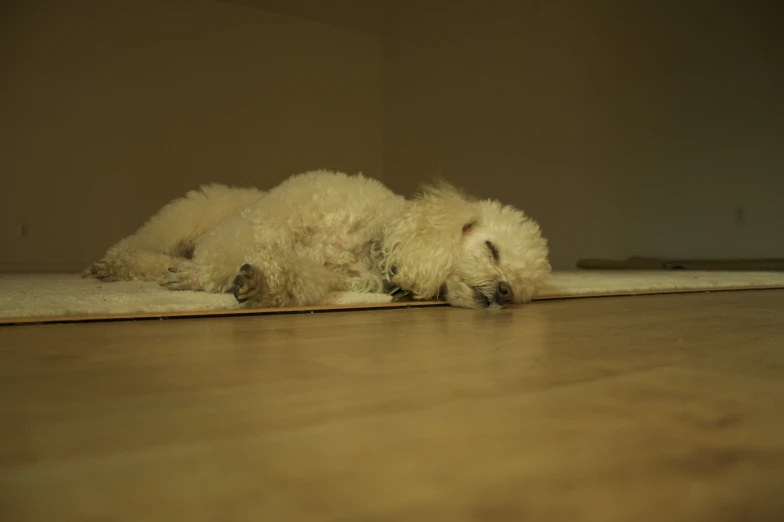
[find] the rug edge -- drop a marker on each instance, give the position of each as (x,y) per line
(10,321)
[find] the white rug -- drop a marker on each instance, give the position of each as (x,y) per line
(50,295)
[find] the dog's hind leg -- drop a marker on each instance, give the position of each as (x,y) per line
(128,264)
(168,238)
(216,257)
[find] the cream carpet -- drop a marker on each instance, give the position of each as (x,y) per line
(50,295)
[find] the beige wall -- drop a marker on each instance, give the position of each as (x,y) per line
(109,109)
(626,128)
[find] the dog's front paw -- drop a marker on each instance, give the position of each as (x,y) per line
(182,276)
(247,284)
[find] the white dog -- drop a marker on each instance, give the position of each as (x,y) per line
(321,234)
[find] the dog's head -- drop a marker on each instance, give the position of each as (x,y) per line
(473,254)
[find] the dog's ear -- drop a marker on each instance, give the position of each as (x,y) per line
(421,243)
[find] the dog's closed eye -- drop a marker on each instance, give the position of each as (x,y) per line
(493,250)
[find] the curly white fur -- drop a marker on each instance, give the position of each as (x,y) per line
(321,236)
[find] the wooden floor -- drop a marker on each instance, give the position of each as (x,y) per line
(660,408)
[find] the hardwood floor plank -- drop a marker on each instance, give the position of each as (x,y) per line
(648,408)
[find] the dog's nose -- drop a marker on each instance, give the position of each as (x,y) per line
(504,293)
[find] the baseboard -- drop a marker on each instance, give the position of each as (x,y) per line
(653,263)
